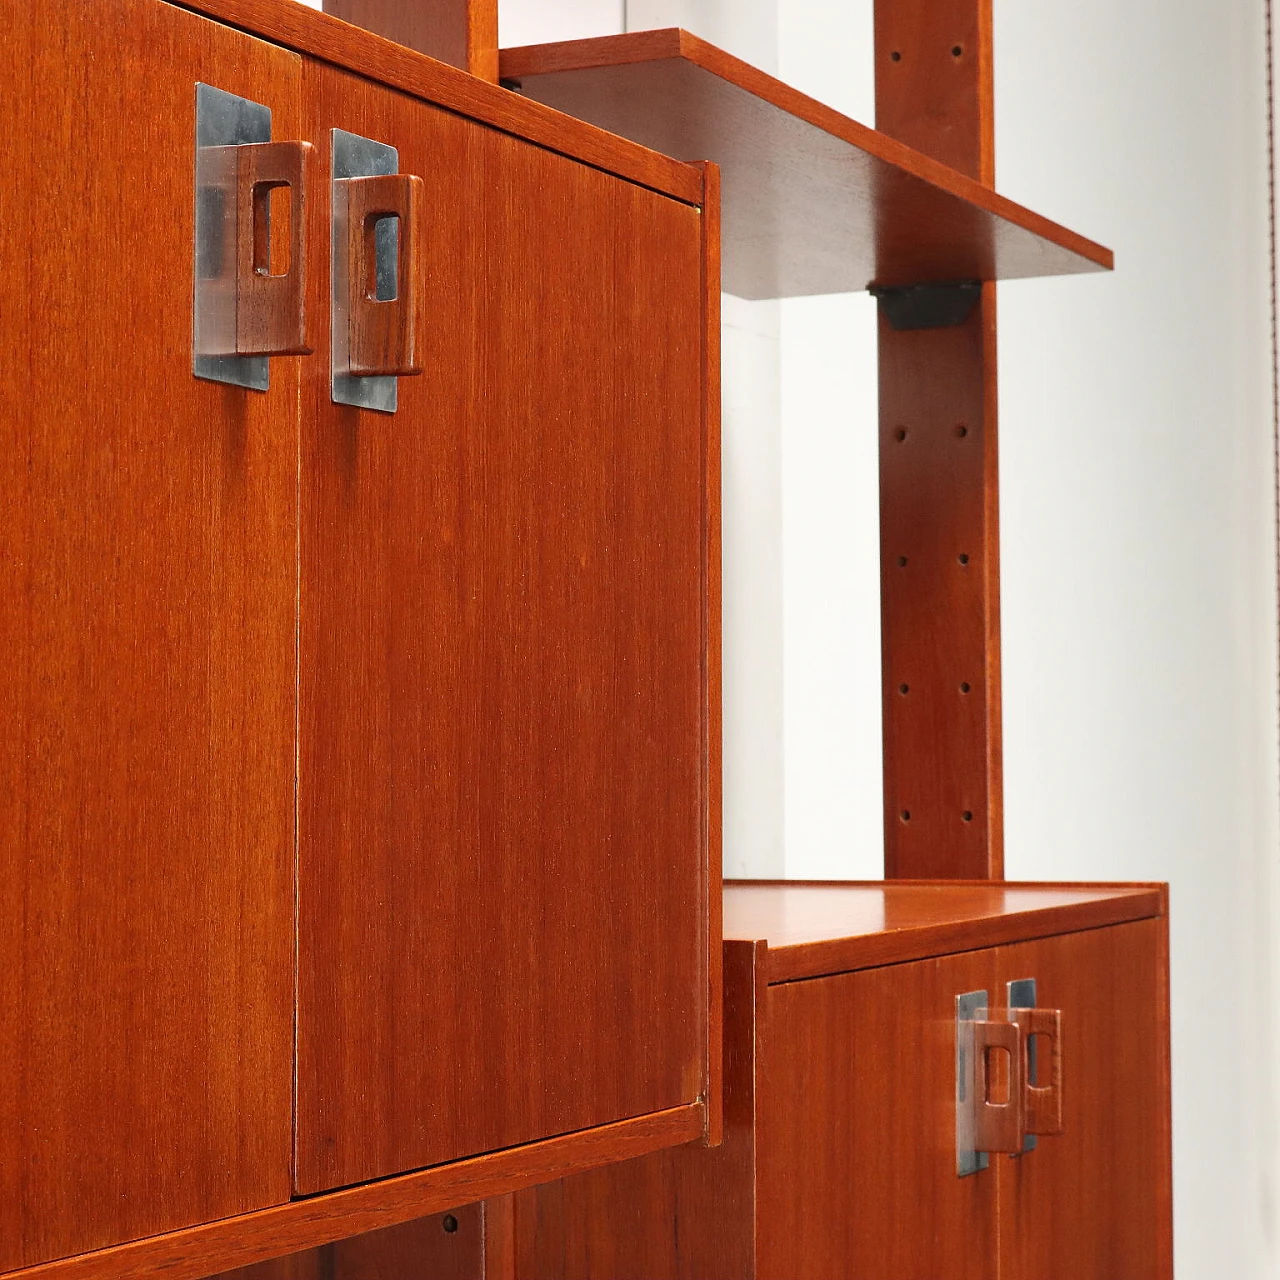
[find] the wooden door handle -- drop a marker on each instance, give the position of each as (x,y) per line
(999,1126)
(270,309)
(383,331)
(1044,1102)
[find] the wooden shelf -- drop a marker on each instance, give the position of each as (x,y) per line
(815,928)
(813,202)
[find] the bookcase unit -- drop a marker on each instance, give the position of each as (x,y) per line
(370,764)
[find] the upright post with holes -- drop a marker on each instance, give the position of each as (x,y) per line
(463,33)
(939,512)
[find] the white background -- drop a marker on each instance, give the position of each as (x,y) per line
(1138,527)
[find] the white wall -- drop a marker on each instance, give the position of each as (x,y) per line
(1138,541)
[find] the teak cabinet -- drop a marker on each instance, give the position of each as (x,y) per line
(358,773)
(840,1151)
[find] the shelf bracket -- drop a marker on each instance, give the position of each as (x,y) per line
(928,306)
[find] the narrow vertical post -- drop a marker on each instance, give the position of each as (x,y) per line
(939,506)
(463,33)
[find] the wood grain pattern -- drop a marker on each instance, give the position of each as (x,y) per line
(297,27)
(463,33)
(383,333)
(813,201)
(504,839)
(271,316)
(939,485)
(934,80)
(816,929)
(500,1238)
(856,1136)
(940,600)
(447,1246)
(146,656)
(302,1224)
(839,1152)
(1094,1202)
(685,1214)
(713,769)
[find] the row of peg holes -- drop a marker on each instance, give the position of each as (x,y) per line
(956,51)
(900,435)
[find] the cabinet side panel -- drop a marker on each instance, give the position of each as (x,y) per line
(147,582)
(856,1129)
(503,837)
(1095,1202)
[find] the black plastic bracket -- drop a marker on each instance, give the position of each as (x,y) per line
(928,306)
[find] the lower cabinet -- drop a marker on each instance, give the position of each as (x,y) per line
(842,1057)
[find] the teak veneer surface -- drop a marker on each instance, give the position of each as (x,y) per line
(191,1254)
(1096,1200)
(839,1154)
(829,927)
(505,718)
(446,1246)
(463,33)
(147,592)
(304,30)
(939,485)
(813,202)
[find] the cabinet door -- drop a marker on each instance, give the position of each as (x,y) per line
(147,543)
(502,818)
(1093,1203)
(856,1129)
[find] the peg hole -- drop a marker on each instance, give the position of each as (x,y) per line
(449,1223)
(902,562)
(956,50)
(899,434)
(963,557)
(964,686)
(967,816)
(962,431)
(906,815)
(895,56)
(904,689)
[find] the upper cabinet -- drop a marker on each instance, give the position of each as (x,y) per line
(358,794)
(813,202)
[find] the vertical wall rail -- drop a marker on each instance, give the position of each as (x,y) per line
(939,512)
(463,33)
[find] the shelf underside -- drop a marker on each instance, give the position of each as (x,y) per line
(813,202)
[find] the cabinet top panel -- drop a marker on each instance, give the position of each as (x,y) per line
(306,31)
(814,202)
(832,927)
